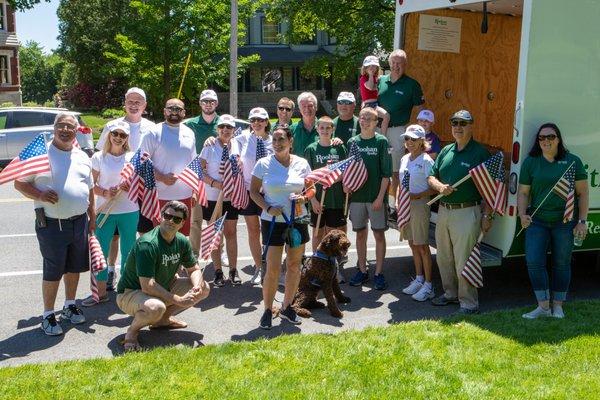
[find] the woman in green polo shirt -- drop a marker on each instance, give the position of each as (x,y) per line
(545,214)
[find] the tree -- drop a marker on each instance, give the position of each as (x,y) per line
(361,27)
(22,5)
(40,73)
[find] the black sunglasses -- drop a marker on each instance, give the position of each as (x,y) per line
(208,101)
(253,120)
(224,126)
(345,102)
(122,135)
(457,123)
(412,139)
(551,137)
(288,109)
(171,217)
(174,109)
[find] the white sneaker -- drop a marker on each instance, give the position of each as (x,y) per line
(538,312)
(50,326)
(425,293)
(257,277)
(557,311)
(413,288)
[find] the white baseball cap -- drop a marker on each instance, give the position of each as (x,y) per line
(415,132)
(370,60)
(226,119)
(426,115)
(258,112)
(208,94)
(346,96)
(136,90)
(118,125)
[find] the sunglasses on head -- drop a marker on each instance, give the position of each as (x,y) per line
(288,109)
(551,137)
(122,135)
(253,120)
(171,217)
(174,109)
(457,123)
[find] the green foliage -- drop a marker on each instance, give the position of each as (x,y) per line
(96,122)
(31,104)
(22,5)
(7,104)
(40,73)
(112,113)
(50,103)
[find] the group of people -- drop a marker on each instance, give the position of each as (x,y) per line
(159,272)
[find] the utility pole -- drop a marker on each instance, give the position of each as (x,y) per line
(233,89)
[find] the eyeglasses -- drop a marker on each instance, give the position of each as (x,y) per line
(224,126)
(208,102)
(253,120)
(134,103)
(457,123)
(551,137)
(174,109)
(171,217)
(412,139)
(122,135)
(66,126)
(345,102)
(287,109)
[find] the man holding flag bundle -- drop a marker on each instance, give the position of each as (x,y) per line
(64,205)
(369,202)
(460,219)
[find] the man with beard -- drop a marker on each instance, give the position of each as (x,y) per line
(63,200)
(171,146)
(135,106)
(346,123)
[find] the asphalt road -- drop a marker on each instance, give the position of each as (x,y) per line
(230,313)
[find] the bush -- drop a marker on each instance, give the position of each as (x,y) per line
(49,103)
(112,113)
(31,104)
(7,104)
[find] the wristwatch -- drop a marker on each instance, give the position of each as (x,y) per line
(581,221)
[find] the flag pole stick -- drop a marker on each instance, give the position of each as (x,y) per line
(218,209)
(439,196)
(346,205)
(548,194)
(320,214)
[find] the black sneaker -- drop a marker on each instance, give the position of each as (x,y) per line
(234,278)
(219,278)
(50,326)
(266,321)
(393,215)
(290,315)
(110,282)
(73,314)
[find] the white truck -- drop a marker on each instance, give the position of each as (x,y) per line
(514,64)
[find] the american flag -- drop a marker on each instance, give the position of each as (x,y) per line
(234,188)
(211,237)
(356,174)
(237,131)
(329,174)
(565,189)
(132,172)
(32,160)
(224,158)
(261,149)
(150,206)
(192,176)
(472,271)
(97,264)
(403,203)
(489,179)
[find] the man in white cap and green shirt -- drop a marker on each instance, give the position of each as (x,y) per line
(461,215)
(346,123)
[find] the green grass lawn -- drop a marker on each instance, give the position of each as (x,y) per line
(96,122)
(491,356)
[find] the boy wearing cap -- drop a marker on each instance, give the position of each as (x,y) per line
(369,77)
(426,119)
(346,124)
(460,218)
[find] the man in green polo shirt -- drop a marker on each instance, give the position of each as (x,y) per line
(204,126)
(460,218)
(346,123)
(304,131)
(149,289)
(369,202)
(398,94)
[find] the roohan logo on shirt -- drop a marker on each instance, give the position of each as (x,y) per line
(329,157)
(172,259)
(371,151)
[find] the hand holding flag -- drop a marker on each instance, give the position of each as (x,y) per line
(192,176)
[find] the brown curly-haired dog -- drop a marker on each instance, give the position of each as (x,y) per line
(319,273)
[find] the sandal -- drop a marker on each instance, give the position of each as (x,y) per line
(131,345)
(173,324)
(90,302)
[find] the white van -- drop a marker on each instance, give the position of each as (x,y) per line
(514,64)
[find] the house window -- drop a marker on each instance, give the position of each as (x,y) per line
(4,70)
(270,32)
(2,16)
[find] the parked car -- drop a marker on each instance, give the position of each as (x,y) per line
(20,125)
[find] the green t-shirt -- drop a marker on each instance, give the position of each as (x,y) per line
(399,98)
(375,153)
(542,175)
(346,129)
(318,156)
(202,130)
(302,137)
(153,257)
(452,165)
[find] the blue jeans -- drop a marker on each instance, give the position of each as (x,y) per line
(539,238)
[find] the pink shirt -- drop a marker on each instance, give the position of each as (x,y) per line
(367,94)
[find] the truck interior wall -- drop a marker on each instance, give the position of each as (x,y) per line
(487,63)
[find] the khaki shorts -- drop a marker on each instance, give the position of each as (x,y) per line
(132,300)
(417,228)
(360,213)
(396,142)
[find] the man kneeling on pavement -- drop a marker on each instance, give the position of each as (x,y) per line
(150,289)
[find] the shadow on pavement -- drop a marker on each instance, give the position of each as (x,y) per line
(284,328)
(159,338)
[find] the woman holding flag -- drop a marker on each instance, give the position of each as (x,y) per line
(111,198)
(252,145)
(213,159)
(553,207)
(281,177)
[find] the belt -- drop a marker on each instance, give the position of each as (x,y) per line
(73,218)
(456,206)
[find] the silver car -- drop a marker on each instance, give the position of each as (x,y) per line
(20,125)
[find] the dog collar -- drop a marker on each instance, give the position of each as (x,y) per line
(324,256)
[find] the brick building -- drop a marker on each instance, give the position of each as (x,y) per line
(10,82)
